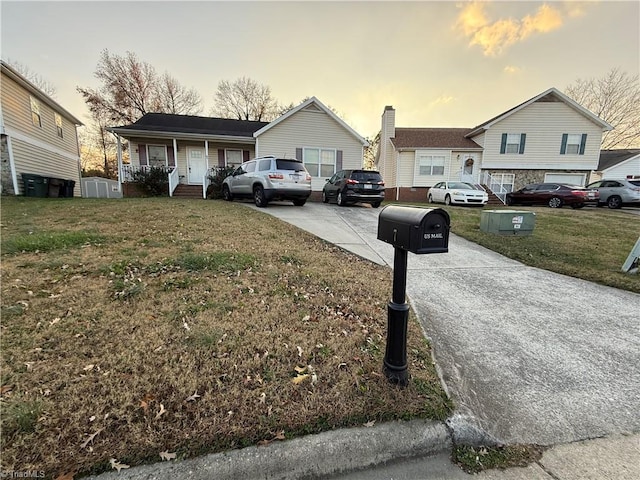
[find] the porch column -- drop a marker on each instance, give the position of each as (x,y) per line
(119,163)
(175,152)
(206,153)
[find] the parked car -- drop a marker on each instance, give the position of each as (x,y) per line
(616,193)
(457,193)
(352,186)
(269,178)
(553,194)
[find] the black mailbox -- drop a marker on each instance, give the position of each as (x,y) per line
(417,230)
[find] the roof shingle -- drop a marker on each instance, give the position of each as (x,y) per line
(164,122)
(433,138)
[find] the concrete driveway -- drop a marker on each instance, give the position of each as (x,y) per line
(529,356)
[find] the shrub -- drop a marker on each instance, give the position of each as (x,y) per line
(214,191)
(153,182)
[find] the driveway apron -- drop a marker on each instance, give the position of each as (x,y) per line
(529,356)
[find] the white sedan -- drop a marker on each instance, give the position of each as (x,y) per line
(454,193)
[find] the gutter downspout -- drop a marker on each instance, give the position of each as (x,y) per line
(119,162)
(397,177)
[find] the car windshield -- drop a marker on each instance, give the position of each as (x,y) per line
(282,164)
(366,177)
(462,186)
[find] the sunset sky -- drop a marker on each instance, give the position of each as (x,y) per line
(440,64)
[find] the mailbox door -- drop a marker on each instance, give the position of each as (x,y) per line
(434,234)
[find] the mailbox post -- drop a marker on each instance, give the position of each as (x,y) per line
(416,230)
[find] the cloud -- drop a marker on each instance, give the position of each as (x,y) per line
(442,99)
(511,69)
(495,37)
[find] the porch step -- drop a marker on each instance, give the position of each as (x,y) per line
(493,198)
(188,191)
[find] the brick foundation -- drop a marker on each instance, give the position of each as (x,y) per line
(6,185)
(407,194)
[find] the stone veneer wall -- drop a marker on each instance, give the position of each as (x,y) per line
(6,180)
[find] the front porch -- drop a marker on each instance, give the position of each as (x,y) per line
(129,179)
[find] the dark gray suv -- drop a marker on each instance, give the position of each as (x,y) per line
(353,186)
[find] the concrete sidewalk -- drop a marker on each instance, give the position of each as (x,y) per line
(527,355)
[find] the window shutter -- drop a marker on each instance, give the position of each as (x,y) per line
(503,145)
(170,157)
(563,147)
(245,155)
(142,153)
(523,138)
(299,154)
(221,162)
(338,160)
(583,142)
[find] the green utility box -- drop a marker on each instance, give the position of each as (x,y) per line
(507,222)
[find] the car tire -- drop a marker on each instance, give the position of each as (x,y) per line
(555,202)
(298,202)
(341,200)
(325,199)
(508,201)
(447,200)
(575,206)
(430,199)
(258,196)
(614,201)
(226,193)
(375,204)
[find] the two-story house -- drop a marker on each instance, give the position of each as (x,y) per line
(548,138)
(38,135)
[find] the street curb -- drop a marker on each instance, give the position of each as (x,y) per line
(312,456)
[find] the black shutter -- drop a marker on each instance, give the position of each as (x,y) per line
(142,154)
(503,145)
(563,147)
(245,155)
(523,138)
(338,160)
(221,162)
(299,154)
(583,142)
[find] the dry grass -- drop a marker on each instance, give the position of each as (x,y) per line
(166,325)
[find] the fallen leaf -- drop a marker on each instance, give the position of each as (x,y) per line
(165,456)
(88,367)
(306,318)
(300,378)
(370,424)
(300,369)
(161,412)
(280,436)
(5,389)
(186,326)
(193,397)
(90,439)
(117,465)
(299,351)
(144,403)
(54,321)
(66,476)
(263,397)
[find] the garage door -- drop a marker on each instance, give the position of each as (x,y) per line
(568,178)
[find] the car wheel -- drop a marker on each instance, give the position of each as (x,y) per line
(375,204)
(509,201)
(298,202)
(341,200)
(325,199)
(614,202)
(555,202)
(577,205)
(258,196)
(430,198)
(447,200)
(226,193)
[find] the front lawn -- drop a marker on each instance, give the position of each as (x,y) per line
(139,327)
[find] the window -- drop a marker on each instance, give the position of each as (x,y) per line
(431,164)
(573,144)
(35,112)
(264,165)
(233,157)
(58,124)
(250,167)
(157,155)
(513,143)
(320,162)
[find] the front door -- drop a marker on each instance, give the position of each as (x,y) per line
(196,164)
(468,169)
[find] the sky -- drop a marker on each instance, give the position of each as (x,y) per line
(439,64)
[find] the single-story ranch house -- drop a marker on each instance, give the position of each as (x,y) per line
(190,147)
(548,138)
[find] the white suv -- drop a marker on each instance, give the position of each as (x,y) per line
(269,178)
(616,193)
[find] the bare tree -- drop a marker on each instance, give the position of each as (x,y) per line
(615,98)
(370,152)
(40,82)
(245,99)
(131,87)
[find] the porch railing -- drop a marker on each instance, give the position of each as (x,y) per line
(499,183)
(174,180)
